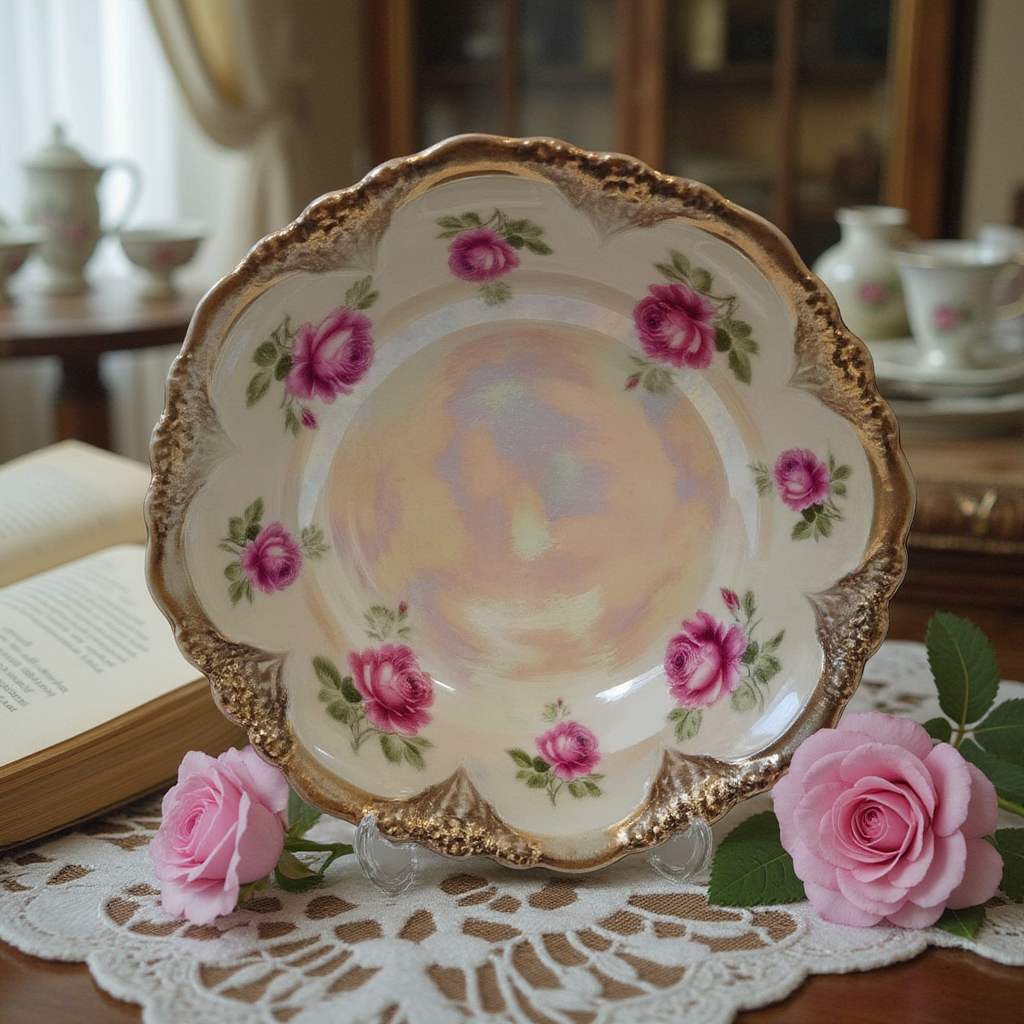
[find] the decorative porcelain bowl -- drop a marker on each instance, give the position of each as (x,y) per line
(160,251)
(527,499)
(16,245)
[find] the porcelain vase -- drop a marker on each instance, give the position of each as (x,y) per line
(860,272)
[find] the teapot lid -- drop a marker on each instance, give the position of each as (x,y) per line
(58,155)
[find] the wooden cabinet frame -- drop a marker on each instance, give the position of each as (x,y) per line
(917,163)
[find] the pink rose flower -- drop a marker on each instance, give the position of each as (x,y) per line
(884,826)
(802,478)
(675,325)
(481,255)
(223,827)
(272,561)
(874,293)
(570,749)
(946,318)
(308,419)
(703,661)
(731,599)
(396,691)
(330,357)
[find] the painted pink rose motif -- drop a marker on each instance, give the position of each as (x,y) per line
(272,561)
(481,255)
(482,251)
(386,694)
(874,293)
(949,318)
(567,755)
(801,478)
(570,749)
(329,358)
(676,325)
(808,485)
(683,324)
(396,691)
(266,558)
(223,827)
(702,662)
(319,361)
(884,826)
(709,659)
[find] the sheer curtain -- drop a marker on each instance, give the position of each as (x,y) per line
(97,67)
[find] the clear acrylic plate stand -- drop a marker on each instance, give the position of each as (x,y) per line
(392,867)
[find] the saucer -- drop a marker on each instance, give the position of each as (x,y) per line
(900,372)
(996,416)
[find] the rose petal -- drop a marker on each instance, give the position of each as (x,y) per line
(894,765)
(833,906)
(911,915)
(900,732)
(810,867)
(983,811)
(879,897)
(260,842)
(200,902)
(953,784)
(945,873)
(982,874)
(268,779)
(911,871)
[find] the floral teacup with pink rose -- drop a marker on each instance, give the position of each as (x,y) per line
(951,289)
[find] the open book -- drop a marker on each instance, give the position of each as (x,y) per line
(97,704)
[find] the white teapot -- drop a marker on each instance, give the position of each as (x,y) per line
(62,199)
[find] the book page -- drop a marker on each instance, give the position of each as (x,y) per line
(65,501)
(80,645)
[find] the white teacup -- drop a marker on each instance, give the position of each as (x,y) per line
(952,290)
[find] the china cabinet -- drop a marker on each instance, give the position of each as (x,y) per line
(792,108)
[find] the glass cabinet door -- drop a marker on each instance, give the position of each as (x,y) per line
(781,106)
(515,67)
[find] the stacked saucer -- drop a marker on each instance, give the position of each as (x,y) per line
(984,398)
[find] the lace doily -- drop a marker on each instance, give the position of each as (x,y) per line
(470,940)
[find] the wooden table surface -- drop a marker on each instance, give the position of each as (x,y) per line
(78,329)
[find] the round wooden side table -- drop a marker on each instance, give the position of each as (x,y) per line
(78,329)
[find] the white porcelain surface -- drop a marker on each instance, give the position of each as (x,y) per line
(160,251)
(953,289)
(17,244)
(860,273)
(521,500)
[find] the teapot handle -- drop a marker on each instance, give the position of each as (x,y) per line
(133,196)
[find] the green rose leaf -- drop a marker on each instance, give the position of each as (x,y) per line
(687,723)
(327,673)
(392,747)
(1010,844)
(294,876)
(265,354)
(722,340)
(739,363)
(301,816)
(521,757)
(964,922)
(339,710)
(751,868)
(349,691)
(964,665)
(257,388)
(1007,777)
(744,698)
(1002,732)
(939,729)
